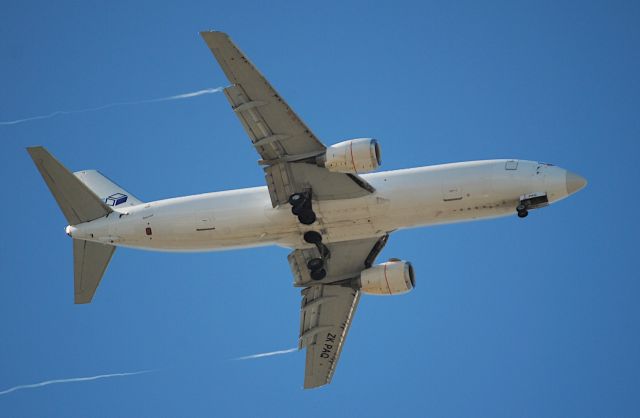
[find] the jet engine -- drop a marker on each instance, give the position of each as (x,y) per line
(394,277)
(354,156)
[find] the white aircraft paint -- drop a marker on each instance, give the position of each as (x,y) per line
(348,233)
(406,198)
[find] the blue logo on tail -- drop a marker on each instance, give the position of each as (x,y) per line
(116,199)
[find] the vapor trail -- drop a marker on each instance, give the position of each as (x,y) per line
(272,353)
(116,104)
(71,380)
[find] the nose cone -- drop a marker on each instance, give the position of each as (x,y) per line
(574,182)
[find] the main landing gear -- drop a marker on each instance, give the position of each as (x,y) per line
(316,266)
(301,207)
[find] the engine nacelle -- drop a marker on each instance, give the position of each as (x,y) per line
(394,277)
(354,156)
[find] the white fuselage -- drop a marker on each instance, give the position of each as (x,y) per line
(403,199)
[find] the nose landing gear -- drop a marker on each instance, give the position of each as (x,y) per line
(531,201)
(522,211)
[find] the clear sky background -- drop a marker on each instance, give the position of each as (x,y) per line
(529,318)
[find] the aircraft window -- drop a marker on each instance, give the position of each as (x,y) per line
(148,231)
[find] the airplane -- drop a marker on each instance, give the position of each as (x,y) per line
(326,203)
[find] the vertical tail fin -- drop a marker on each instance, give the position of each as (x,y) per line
(78,204)
(110,193)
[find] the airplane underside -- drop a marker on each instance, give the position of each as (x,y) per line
(326,203)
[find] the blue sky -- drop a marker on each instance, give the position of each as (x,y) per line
(535,317)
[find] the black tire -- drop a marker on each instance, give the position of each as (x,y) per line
(312,237)
(522,213)
(318,274)
(297,199)
(300,205)
(521,208)
(307,217)
(315,264)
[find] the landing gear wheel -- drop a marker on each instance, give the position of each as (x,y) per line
(315,264)
(523,213)
(307,217)
(312,237)
(521,208)
(297,199)
(301,207)
(318,274)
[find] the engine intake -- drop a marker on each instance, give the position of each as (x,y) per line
(394,277)
(360,155)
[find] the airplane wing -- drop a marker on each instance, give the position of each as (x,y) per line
(325,317)
(328,305)
(288,150)
(287,146)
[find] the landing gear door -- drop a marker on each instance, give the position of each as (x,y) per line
(534,200)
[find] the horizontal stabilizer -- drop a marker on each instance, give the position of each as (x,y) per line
(77,202)
(90,260)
